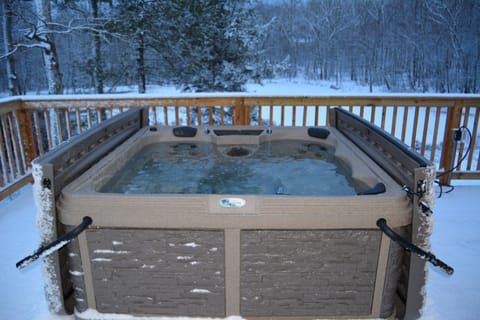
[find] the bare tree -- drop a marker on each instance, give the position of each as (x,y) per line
(97,51)
(41,33)
(133,19)
(458,21)
(330,21)
(12,80)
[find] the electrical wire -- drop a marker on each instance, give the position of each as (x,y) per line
(459,163)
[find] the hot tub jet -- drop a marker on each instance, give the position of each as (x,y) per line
(238,151)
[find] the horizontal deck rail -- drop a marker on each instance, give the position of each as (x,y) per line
(31,126)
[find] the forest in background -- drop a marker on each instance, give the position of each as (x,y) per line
(98,46)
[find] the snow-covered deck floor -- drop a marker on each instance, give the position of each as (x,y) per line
(456,240)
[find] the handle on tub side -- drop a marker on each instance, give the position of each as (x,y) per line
(407,245)
(55,245)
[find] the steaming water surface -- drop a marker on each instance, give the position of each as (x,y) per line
(278,167)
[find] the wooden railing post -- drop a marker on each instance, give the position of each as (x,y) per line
(238,117)
(26,136)
(447,159)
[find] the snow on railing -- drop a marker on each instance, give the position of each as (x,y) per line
(31,126)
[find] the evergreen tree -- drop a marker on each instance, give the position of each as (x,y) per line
(208,45)
(135,20)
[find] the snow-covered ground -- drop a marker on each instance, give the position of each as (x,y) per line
(456,240)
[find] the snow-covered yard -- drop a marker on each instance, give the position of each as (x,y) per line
(456,240)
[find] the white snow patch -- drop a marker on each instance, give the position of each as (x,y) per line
(148,266)
(213,249)
(200,291)
(117,243)
(191,244)
(101,260)
(56,247)
(110,251)
(184,258)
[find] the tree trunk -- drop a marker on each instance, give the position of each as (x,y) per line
(97,52)
(49,51)
(12,83)
(141,63)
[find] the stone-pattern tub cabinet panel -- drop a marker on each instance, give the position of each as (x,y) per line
(168,272)
(308,272)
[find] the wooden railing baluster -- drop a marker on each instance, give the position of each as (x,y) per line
(405,120)
(199,116)
(394,120)
(474,139)
(165,115)
(58,126)
(3,153)
(294,115)
(99,115)
(425,130)
(282,119)
(8,143)
(38,134)
(461,146)
(438,111)
(177,116)
(414,130)
(17,152)
(89,118)
(304,120)
(68,122)
(372,114)
(79,120)
(384,116)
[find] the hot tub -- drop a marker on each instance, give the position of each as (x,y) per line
(266,251)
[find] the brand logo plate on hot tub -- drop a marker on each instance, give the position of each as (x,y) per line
(232,202)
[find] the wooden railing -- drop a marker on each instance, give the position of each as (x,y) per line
(32,126)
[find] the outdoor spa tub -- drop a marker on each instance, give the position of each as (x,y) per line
(195,221)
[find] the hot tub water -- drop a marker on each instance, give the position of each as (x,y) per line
(280,167)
